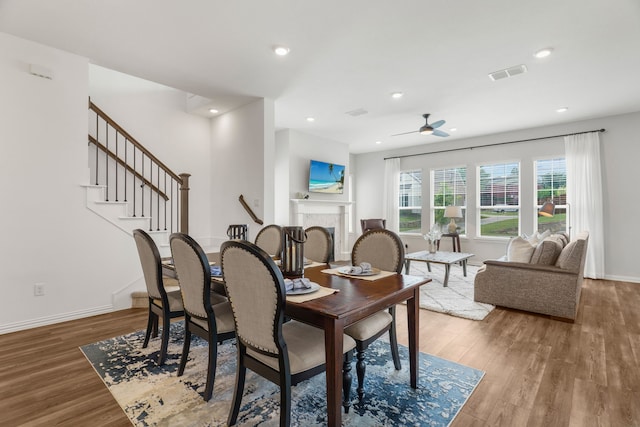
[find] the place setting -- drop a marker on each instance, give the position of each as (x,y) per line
(364,271)
(301,289)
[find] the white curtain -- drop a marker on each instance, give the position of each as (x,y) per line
(584,196)
(390,199)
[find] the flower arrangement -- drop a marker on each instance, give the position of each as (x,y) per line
(432,237)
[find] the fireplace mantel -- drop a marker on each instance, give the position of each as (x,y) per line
(331,213)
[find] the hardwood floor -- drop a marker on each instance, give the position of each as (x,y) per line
(539,371)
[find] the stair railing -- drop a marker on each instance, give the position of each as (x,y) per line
(131,173)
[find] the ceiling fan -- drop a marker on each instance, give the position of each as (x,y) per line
(428,129)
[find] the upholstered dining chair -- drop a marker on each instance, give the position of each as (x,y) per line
(164,292)
(382,249)
(373,224)
(283,353)
(269,239)
(207,314)
(318,245)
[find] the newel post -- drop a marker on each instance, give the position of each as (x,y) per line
(184,203)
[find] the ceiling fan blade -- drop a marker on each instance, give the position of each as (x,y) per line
(437,124)
(437,132)
(405,133)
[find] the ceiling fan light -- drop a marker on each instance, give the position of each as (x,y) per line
(426,130)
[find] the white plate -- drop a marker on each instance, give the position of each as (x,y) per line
(346,272)
(314,287)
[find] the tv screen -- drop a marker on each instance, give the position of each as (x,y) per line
(326,177)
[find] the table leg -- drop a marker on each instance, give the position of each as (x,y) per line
(447,267)
(333,331)
(464,267)
(413,318)
(407,266)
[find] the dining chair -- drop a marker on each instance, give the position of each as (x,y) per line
(373,224)
(163,292)
(269,239)
(318,244)
(207,314)
(283,353)
(382,249)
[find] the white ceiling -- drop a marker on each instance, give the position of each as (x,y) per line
(351,54)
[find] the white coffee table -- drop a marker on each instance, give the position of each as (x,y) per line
(438,257)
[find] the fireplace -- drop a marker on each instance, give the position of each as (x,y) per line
(331,214)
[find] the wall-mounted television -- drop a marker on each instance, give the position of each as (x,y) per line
(326,177)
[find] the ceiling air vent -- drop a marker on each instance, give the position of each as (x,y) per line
(357,112)
(508,72)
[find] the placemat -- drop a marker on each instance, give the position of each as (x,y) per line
(322,292)
(382,274)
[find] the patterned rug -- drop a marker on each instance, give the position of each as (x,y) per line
(457,298)
(154,395)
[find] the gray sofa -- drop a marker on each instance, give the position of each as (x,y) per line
(546,285)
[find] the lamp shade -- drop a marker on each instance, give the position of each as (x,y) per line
(453,212)
(548,209)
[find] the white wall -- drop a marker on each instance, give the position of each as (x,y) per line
(49,235)
(620,148)
(242,142)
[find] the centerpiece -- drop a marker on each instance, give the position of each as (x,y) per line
(432,238)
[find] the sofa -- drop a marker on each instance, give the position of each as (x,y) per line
(546,280)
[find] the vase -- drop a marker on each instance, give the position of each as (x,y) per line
(432,246)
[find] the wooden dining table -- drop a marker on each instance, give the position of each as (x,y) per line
(355,299)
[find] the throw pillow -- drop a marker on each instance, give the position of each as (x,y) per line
(547,251)
(519,250)
(537,237)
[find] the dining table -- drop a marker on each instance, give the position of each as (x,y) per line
(345,300)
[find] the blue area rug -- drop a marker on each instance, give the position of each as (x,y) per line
(154,395)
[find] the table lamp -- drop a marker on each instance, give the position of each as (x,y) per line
(453,212)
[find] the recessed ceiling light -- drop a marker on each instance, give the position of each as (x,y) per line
(453,129)
(213,111)
(281,50)
(543,53)
(562,109)
(396,95)
(311,119)
(378,142)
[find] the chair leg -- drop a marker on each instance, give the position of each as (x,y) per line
(346,382)
(393,340)
(149,327)
(241,372)
(165,337)
(285,399)
(360,371)
(185,347)
(211,368)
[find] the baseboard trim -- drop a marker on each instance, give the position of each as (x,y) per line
(622,278)
(50,320)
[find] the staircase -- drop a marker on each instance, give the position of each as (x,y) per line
(131,187)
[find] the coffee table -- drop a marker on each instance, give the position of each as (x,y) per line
(438,257)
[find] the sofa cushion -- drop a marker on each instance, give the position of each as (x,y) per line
(547,251)
(571,256)
(519,250)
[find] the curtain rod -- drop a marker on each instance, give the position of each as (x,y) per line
(492,145)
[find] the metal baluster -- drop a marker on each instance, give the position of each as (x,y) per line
(158,201)
(134,181)
(126,150)
(142,187)
(97,140)
(106,161)
(165,202)
(116,165)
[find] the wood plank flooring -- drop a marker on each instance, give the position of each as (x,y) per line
(539,371)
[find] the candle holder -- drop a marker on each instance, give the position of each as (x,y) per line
(237,232)
(292,255)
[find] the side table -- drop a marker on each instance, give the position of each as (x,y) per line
(455,239)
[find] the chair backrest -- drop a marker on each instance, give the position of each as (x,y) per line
(237,231)
(194,275)
(151,264)
(255,288)
(373,224)
(269,239)
(382,249)
(318,245)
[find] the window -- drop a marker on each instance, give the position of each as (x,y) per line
(410,202)
(449,189)
(551,186)
(499,199)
